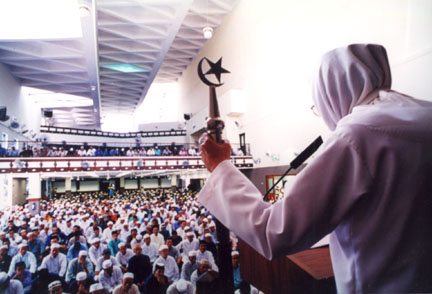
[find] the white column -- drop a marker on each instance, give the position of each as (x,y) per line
(173,181)
(68,186)
(34,193)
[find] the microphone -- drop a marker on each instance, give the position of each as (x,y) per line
(302,157)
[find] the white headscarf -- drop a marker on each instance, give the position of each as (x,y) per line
(348,77)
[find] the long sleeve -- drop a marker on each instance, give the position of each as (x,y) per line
(70,271)
(322,195)
(32,262)
(63,265)
(12,265)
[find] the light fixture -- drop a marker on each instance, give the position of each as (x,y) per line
(84,10)
(208,32)
(125,67)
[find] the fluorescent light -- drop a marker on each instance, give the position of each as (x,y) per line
(124,67)
(41,19)
(48,99)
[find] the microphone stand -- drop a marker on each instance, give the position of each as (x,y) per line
(298,161)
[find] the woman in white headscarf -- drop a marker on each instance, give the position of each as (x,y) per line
(369,187)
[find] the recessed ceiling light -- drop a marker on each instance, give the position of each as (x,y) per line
(125,67)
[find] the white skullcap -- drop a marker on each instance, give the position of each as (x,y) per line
(192,253)
(82,253)
(208,235)
(107,264)
(205,220)
(95,240)
(55,246)
(181,286)
(146,236)
(4,247)
(110,223)
(128,276)
(163,247)
(122,244)
(53,285)
(3,277)
(139,237)
(81,276)
(189,234)
(23,244)
(187,228)
(235,253)
(96,287)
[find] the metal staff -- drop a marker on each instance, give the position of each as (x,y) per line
(215,126)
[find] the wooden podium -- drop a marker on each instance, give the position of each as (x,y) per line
(308,272)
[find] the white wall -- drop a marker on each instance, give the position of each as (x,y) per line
(18,105)
(131,184)
(149,183)
(273,50)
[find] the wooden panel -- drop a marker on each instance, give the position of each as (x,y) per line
(283,275)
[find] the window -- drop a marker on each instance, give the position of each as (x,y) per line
(4,140)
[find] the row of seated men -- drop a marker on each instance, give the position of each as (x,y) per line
(107,241)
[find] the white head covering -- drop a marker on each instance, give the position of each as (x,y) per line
(348,77)
(128,275)
(181,286)
(81,276)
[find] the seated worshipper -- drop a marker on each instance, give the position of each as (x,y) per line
(23,255)
(375,213)
(245,288)
(111,276)
(55,262)
(235,259)
(171,268)
(173,252)
(150,249)
(127,286)
(204,274)
(97,289)
(35,246)
(157,283)
(106,255)
(113,244)
(96,250)
(181,287)
(75,249)
(203,253)
(81,285)
(157,238)
(107,232)
(41,281)
(22,275)
(137,240)
(123,256)
(9,286)
(166,234)
(188,245)
(209,244)
(176,238)
(79,264)
(140,266)
(12,249)
(5,259)
(131,237)
(189,266)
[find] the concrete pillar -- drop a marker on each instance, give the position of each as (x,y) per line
(68,186)
(34,193)
(5,190)
(18,191)
(122,184)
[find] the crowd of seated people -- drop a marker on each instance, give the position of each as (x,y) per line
(138,241)
(64,151)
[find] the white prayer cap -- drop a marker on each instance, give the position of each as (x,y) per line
(187,228)
(128,276)
(110,223)
(55,246)
(23,244)
(2,233)
(82,253)
(146,236)
(181,286)
(189,234)
(95,240)
(139,237)
(181,219)
(53,285)
(3,277)
(96,287)
(192,253)
(205,220)
(4,247)
(235,253)
(208,235)
(162,247)
(81,276)
(122,244)
(107,264)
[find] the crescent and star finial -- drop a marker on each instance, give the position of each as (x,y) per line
(215,68)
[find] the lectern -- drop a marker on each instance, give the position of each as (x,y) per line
(307,272)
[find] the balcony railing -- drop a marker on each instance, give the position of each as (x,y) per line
(95,133)
(101,164)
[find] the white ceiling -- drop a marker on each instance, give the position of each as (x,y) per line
(160,36)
